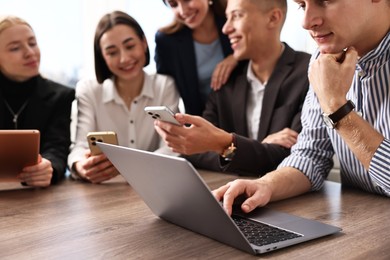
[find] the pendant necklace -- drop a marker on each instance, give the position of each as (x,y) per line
(16,115)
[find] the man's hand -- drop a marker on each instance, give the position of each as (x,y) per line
(331,77)
(257,193)
(200,136)
(286,138)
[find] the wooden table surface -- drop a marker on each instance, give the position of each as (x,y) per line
(75,220)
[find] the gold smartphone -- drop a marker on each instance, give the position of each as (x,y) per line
(108,137)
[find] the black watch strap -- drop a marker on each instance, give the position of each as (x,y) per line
(342,111)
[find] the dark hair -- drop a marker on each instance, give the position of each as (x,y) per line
(218,8)
(106,23)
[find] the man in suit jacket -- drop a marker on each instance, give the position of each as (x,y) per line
(255,118)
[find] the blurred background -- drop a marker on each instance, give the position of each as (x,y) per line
(65,30)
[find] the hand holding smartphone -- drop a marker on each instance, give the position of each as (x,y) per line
(162,113)
(108,137)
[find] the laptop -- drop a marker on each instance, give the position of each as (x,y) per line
(174,191)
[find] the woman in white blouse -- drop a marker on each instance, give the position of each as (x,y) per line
(115,100)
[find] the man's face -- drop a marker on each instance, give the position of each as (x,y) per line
(245,27)
(337,24)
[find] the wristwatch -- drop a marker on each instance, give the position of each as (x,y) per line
(230,151)
(331,120)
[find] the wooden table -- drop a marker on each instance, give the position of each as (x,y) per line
(77,220)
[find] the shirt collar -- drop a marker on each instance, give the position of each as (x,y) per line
(254,82)
(249,74)
(373,57)
(110,93)
(382,49)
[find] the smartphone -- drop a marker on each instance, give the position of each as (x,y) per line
(162,113)
(108,137)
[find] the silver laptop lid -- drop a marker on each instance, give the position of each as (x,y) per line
(174,191)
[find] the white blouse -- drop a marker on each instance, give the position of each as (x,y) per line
(100,108)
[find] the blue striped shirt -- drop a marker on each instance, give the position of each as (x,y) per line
(317,144)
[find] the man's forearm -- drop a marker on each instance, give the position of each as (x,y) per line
(360,136)
(286,182)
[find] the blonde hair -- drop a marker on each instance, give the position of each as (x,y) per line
(10,20)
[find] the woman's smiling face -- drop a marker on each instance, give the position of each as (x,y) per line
(192,13)
(123,51)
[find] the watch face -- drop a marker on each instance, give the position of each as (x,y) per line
(229,152)
(328,122)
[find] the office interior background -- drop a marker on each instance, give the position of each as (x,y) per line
(65,30)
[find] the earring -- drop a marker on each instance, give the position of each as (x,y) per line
(210,2)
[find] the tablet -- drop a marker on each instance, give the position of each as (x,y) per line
(18,148)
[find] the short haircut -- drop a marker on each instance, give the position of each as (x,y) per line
(106,23)
(266,5)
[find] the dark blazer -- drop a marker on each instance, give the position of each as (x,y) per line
(49,111)
(175,56)
(283,100)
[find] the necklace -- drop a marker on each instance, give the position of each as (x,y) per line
(15,115)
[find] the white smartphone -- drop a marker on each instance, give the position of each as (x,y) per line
(162,113)
(108,137)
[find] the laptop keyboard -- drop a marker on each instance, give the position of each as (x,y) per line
(261,234)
